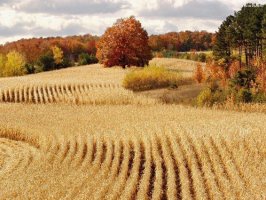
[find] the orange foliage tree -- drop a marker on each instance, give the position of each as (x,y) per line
(260,67)
(33,49)
(182,41)
(124,44)
(199,74)
(234,68)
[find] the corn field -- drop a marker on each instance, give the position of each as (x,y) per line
(72,93)
(125,156)
(94,140)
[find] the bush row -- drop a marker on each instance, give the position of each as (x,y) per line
(234,84)
(195,56)
(152,77)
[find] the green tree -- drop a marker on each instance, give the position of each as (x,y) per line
(244,31)
(243,79)
(249,21)
(264,33)
(85,59)
(223,45)
(46,62)
(15,64)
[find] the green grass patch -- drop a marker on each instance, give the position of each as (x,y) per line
(152,77)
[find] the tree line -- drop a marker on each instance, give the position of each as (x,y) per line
(182,41)
(43,54)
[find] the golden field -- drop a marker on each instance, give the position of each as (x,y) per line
(69,135)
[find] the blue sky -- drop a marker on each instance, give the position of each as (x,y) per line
(42,18)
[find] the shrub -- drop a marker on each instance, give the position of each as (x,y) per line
(67,62)
(15,64)
(234,68)
(243,79)
(151,77)
(30,69)
(168,54)
(202,57)
(124,44)
(2,63)
(259,97)
(46,62)
(260,67)
(58,55)
(244,95)
(205,97)
(199,74)
(213,85)
(85,59)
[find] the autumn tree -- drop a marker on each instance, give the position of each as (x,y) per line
(124,44)
(2,63)
(34,48)
(58,55)
(199,74)
(15,64)
(182,41)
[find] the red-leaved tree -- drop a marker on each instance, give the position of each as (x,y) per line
(124,44)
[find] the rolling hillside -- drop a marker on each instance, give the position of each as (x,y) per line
(77,134)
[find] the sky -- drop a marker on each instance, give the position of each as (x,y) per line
(43,18)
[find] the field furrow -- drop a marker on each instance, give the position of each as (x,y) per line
(195,172)
(183,182)
(122,175)
(125,151)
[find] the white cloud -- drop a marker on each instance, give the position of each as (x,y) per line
(195,9)
(77,7)
(36,18)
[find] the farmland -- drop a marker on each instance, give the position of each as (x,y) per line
(77,133)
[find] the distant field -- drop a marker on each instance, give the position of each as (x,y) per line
(84,74)
(186,67)
(77,134)
(90,84)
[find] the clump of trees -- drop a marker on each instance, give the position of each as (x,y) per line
(183,41)
(126,43)
(235,84)
(13,64)
(43,54)
(86,59)
(238,72)
(188,45)
(242,35)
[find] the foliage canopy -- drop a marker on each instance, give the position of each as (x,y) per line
(124,44)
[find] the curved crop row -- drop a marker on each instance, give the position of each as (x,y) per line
(164,166)
(71,93)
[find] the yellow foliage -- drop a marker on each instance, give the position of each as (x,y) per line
(2,63)
(151,77)
(58,55)
(14,65)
